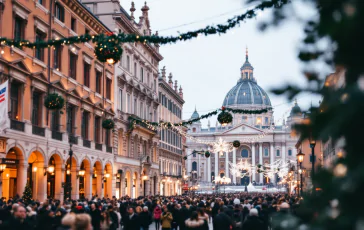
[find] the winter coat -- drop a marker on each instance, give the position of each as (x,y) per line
(222,222)
(131,224)
(15,224)
(95,218)
(167,219)
(194,224)
(145,219)
(157,213)
(253,223)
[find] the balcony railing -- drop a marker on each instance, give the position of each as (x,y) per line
(38,131)
(98,146)
(86,143)
(73,140)
(56,135)
(17,125)
(109,149)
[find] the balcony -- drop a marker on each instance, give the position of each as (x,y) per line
(86,143)
(38,131)
(17,125)
(109,149)
(98,146)
(56,135)
(73,140)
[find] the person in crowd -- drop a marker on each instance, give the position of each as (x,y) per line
(131,222)
(106,222)
(82,222)
(253,222)
(166,219)
(157,213)
(18,220)
(203,216)
(145,218)
(116,210)
(95,214)
(113,218)
(67,221)
(237,216)
(222,221)
(194,222)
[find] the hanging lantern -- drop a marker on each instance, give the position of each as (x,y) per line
(108,124)
(236,144)
(108,48)
(224,117)
(207,154)
(54,101)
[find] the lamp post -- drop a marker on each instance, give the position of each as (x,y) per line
(300,157)
(70,176)
(312,146)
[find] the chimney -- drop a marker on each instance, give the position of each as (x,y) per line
(170,82)
(132,10)
(175,85)
(164,73)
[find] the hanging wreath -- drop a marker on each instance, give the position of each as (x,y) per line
(108,124)
(259,165)
(224,117)
(184,158)
(108,48)
(54,101)
(236,144)
(207,154)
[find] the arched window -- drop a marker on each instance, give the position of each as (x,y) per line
(194,130)
(266,153)
(194,166)
(278,153)
(289,152)
(244,153)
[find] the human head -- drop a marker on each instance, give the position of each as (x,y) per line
(19,212)
(284,207)
(93,206)
(68,219)
(145,208)
(130,211)
(82,222)
(253,212)
(194,215)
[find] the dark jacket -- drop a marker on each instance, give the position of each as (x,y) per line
(14,223)
(183,216)
(222,222)
(253,223)
(264,217)
(114,219)
(145,219)
(95,218)
(133,223)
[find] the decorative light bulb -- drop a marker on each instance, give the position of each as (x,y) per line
(2,51)
(110,61)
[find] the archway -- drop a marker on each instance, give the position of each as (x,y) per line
(108,180)
(36,177)
(71,180)
(85,179)
(135,185)
(14,178)
(97,179)
(54,174)
(128,184)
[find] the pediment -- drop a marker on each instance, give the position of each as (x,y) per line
(243,129)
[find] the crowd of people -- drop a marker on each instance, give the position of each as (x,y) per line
(240,211)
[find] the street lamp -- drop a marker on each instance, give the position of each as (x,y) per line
(312,146)
(2,167)
(300,157)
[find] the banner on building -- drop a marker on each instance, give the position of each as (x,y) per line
(4,119)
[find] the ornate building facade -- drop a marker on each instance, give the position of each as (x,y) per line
(38,144)
(274,142)
(171,144)
(136,149)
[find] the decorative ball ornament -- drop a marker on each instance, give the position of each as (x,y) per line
(108,48)
(207,154)
(184,158)
(224,117)
(236,144)
(54,101)
(108,124)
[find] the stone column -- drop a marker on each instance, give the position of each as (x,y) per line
(226,164)
(209,169)
(189,163)
(284,152)
(271,154)
(88,184)
(59,179)
(21,178)
(99,184)
(216,164)
(147,187)
(253,163)
(260,162)
(41,182)
(234,162)
(75,184)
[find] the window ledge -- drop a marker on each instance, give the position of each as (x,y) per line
(57,73)
(86,88)
(39,62)
(98,95)
(56,20)
(108,101)
(19,51)
(41,7)
(72,80)
(88,45)
(73,33)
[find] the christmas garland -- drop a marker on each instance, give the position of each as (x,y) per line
(115,49)
(207,154)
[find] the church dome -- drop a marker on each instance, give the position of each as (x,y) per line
(195,114)
(296,110)
(246,91)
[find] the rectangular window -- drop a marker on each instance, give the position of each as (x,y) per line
(108,88)
(36,111)
(266,121)
(97,138)
(73,24)
(19,29)
(98,81)
(135,69)
(73,65)
(86,74)
(141,110)
(128,63)
(14,100)
(135,106)
(107,137)
(70,119)
(39,52)
(57,53)
(128,104)
(120,100)
(40,2)
(87,31)
(141,74)
(59,12)
(55,120)
(289,152)
(85,125)
(278,153)
(155,85)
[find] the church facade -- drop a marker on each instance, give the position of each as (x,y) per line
(262,142)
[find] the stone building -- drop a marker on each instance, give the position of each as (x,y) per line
(270,142)
(171,144)
(37,144)
(136,92)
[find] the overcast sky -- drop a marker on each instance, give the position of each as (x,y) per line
(209,67)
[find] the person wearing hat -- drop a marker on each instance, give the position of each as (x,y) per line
(145,218)
(253,222)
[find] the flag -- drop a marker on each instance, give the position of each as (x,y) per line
(4,119)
